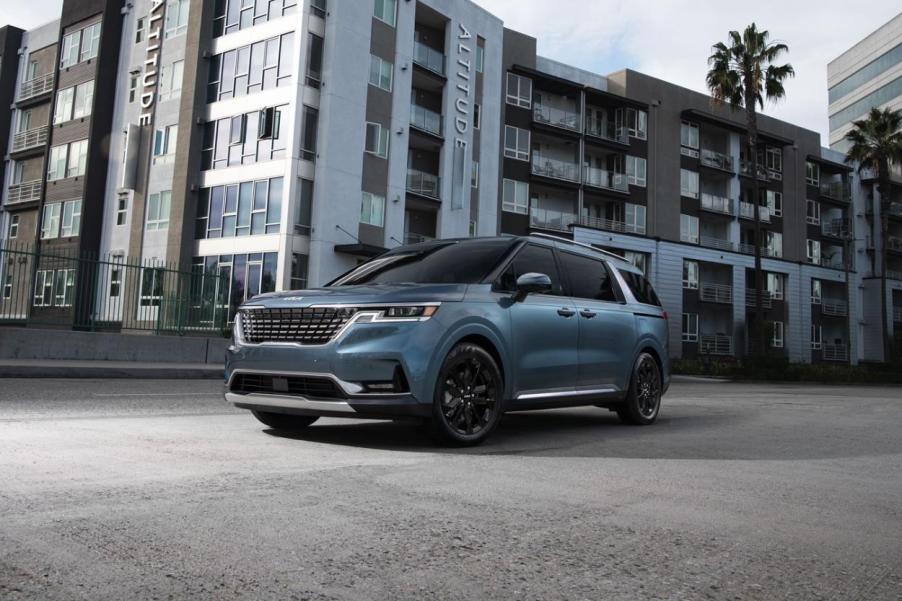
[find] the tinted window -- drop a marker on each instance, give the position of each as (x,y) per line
(531,259)
(588,277)
(466,262)
(640,288)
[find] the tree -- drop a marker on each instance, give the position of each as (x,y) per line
(743,74)
(876,144)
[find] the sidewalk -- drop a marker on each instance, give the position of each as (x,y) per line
(39,368)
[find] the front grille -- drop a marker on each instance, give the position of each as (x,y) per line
(311,325)
(305,386)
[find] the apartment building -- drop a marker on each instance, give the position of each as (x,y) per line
(279,142)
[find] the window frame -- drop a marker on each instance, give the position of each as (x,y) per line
(690,334)
(688,282)
(517,98)
(688,221)
(71,212)
(154,219)
(381,137)
(392,19)
(515,207)
(777,339)
(51,216)
(516,153)
(371,197)
(687,176)
(378,68)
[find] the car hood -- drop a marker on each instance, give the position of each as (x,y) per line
(357,295)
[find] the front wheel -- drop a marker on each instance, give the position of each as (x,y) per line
(468,397)
(284,421)
(643,402)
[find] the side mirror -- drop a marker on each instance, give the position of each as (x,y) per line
(532,283)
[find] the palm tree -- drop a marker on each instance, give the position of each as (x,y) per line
(743,74)
(876,144)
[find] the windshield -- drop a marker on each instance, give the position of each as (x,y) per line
(453,262)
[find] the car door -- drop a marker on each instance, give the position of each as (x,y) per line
(607,326)
(544,328)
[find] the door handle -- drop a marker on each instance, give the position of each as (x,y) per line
(565,312)
(588,314)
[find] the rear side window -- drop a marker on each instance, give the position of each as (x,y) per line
(641,288)
(588,277)
(531,259)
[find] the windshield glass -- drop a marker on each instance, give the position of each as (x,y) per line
(453,262)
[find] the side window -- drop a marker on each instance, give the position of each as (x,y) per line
(531,259)
(641,288)
(588,277)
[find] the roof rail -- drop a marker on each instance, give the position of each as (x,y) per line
(583,244)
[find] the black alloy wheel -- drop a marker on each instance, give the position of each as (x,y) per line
(643,403)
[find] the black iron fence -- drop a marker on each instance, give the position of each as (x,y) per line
(71,289)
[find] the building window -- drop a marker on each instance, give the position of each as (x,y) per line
(176,22)
(813,212)
(816,292)
(69,50)
(515,197)
(817,337)
(477,115)
(244,209)
(50,221)
(474,174)
(380,73)
(62,112)
(814,252)
(385,10)
(90,42)
(635,170)
(151,286)
(516,143)
(372,209)
(519,90)
(7,287)
(480,55)
(308,134)
(232,15)
(298,271)
(776,339)
(43,288)
(634,218)
(689,138)
(265,65)
(171,81)
(314,60)
(774,284)
(79,46)
(690,327)
(774,158)
(377,139)
(77,159)
(812,173)
(637,123)
(158,211)
(303,220)
(56,164)
(774,244)
(317,7)
(232,141)
(63,287)
(122,210)
(637,259)
(115,280)
(164,143)
(774,202)
(689,183)
(689,229)
(74,103)
(18,174)
(132,87)
(13,231)
(71,222)
(690,274)
(139,31)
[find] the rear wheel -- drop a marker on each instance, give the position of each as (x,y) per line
(644,399)
(468,397)
(284,421)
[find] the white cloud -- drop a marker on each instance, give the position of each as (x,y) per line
(672,40)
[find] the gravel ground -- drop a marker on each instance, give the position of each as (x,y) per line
(129,489)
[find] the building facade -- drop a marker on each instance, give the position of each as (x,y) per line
(281,142)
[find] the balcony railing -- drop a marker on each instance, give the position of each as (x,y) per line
(894,243)
(746,168)
(835,308)
(716,293)
(893,274)
(713,242)
(602,178)
(31,138)
(550,115)
(835,352)
(767,300)
(554,168)
(716,204)
(426,120)
(551,220)
(718,160)
(836,190)
(611,225)
(412,238)
(428,58)
(608,131)
(425,184)
(895,209)
(24,192)
(835,228)
(897,314)
(43,84)
(747,211)
(715,344)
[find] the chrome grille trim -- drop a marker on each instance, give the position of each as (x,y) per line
(302,325)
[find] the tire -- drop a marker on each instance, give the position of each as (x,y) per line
(284,421)
(643,401)
(468,400)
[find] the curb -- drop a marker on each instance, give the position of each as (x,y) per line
(109,370)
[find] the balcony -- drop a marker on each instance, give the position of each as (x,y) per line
(834,308)
(719,243)
(715,344)
(38,86)
(767,300)
(716,204)
(717,160)
(551,220)
(835,228)
(32,138)
(836,190)
(897,314)
(894,209)
(424,184)
(554,168)
(894,275)
(602,178)
(835,352)
(556,117)
(608,131)
(747,211)
(412,238)
(745,168)
(425,120)
(611,225)
(894,243)
(24,192)
(428,58)
(716,293)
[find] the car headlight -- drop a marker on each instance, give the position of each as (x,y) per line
(407,313)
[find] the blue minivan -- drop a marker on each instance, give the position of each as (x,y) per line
(456,333)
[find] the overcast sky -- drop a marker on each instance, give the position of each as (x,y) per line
(669,39)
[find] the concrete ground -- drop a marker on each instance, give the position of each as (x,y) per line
(130,489)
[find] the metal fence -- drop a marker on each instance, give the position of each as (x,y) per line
(87,292)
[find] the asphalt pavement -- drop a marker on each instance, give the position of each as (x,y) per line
(155,489)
